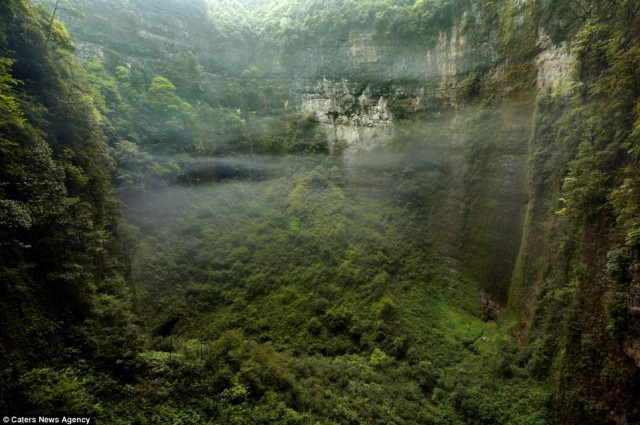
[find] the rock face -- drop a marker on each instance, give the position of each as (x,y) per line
(151,29)
(347,85)
(349,115)
(553,63)
(368,85)
(356,80)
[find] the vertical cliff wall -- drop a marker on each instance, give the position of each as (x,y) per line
(480,103)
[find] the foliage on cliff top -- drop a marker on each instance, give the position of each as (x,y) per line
(320,22)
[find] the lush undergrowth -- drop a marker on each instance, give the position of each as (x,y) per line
(298,299)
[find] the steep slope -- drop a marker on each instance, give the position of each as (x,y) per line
(61,295)
(584,204)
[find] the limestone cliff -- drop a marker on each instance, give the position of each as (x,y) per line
(146,30)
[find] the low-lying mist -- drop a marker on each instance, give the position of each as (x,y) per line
(299,211)
(441,182)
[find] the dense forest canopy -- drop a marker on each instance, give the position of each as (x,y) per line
(320,212)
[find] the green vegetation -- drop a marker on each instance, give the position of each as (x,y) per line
(341,320)
(180,244)
(584,176)
(56,207)
(327,21)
